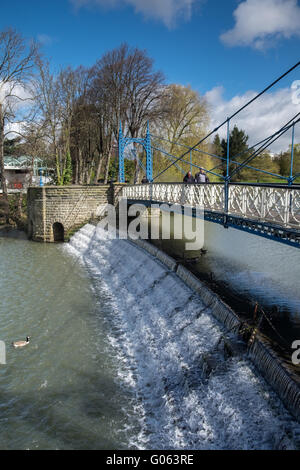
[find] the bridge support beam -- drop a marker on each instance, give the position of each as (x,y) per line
(291,179)
(146,143)
(149,169)
(121,156)
(227,178)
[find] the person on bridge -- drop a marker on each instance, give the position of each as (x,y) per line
(188,178)
(145,180)
(201,177)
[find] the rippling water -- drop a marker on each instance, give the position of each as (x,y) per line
(189,394)
(122,355)
(61,390)
(249,266)
(263,268)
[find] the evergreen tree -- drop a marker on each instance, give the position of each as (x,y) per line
(285,161)
(217,146)
(129,168)
(10,146)
(238,148)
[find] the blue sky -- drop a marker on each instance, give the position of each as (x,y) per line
(224,49)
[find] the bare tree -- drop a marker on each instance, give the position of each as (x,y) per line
(129,91)
(49,109)
(59,100)
(72,87)
(84,143)
(106,113)
(34,143)
(17,60)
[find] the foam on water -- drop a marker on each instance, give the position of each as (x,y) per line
(185,391)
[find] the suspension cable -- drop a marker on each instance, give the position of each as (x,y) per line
(273,139)
(233,115)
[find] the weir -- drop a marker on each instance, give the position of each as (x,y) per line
(283,380)
(205,394)
(54,211)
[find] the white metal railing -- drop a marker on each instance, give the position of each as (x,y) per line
(276,204)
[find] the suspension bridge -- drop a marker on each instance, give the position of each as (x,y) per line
(268,210)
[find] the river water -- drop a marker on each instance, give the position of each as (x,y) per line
(244,268)
(60,391)
(122,356)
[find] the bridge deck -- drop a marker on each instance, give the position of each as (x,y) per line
(268,210)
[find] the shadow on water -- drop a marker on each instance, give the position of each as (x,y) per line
(55,423)
(6,231)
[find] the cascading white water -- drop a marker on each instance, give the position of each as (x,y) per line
(284,381)
(187,394)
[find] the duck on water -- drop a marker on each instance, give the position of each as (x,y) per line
(21,344)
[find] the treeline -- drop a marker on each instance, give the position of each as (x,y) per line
(86,107)
(71,118)
(279,164)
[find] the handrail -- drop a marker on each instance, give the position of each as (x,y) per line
(278,204)
(269,185)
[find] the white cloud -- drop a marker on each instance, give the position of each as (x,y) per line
(167,11)
(17,101)
(44,39)
(14,93)
(259,120)
(14,129)
(259,22)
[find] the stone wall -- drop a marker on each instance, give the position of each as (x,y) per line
(70,206)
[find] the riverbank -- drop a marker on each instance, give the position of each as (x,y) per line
(14,214)
(11,231)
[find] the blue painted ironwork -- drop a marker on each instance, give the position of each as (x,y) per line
(121,156)
(142,166)
(227,178)
(233,115)
(149,168)
(281,226)
(270,141)
(41,177)
(290,180)
(232,161)
(240,165)
(171,158)
(228,160)
(146,143)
